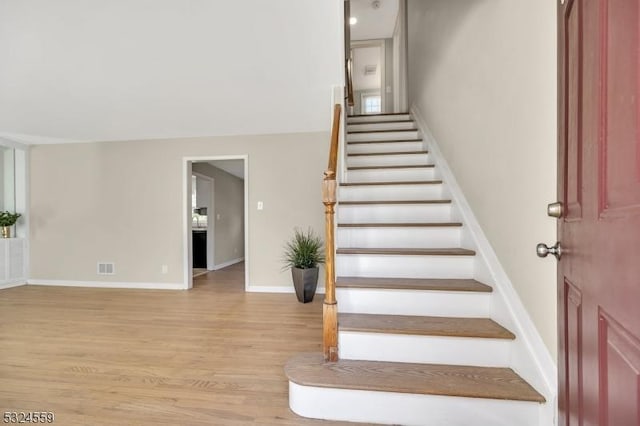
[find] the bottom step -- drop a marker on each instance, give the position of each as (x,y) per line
(411,394)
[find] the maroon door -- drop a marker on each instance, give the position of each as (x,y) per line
(599,185)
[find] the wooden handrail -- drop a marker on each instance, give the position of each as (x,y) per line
(335,138)
(350,100)
(330,307)
(348,61)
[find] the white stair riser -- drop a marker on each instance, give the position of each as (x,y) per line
(427,237)
(392,175)
(390,192)
(404,125)
(385,147)
(374,118)
(381,136)
(387,266)
(414,302)
(409,409)
(387,160)
(394,213)
(424,349)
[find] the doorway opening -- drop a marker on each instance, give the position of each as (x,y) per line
(376,59)
(369,77)
(215,225)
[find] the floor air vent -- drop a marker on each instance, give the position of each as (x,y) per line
(106,268)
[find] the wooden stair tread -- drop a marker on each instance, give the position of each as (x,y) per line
(429,284)
(408,166)
(366,203)
(385,141)
(400,225)
(408,182)
(380,131)
(364,154)
(383,122)
(408,251)
(309,369)
(378,115)
(484,328)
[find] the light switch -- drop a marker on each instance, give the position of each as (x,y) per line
(218,216)
(260,205)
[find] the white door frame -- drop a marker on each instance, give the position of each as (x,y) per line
(379,43)
(187,171)
(211,223)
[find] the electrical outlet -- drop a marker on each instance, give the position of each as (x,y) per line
(260,205)
(165,269)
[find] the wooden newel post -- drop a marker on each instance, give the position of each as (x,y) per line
(330,308)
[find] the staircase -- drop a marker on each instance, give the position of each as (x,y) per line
(417,342)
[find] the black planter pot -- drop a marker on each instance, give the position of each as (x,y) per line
(305,282)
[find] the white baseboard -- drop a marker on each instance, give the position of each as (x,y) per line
(107,284)
(252,288)
(531,358)
(12,284)
(228,263)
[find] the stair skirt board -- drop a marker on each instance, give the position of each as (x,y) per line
(386,266)
(481,352)
(414,302)
(389,125)
(407,237)
(391,160)
(411,213)
(385,147)
(409,409)
(393,175)
(377,118)
(383,135)
(391,192)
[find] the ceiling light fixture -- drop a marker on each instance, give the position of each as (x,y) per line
(353,20)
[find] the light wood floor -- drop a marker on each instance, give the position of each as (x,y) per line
(213,355)
(196,272)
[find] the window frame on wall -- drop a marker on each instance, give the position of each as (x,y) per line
(365,106)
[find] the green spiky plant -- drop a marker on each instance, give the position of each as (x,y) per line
(303,251)
(8,218)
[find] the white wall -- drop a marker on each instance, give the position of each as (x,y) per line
(123,202)
(483,75)
(95,70)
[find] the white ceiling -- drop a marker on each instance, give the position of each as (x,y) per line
(234,167)
(362,57)
(96,70)
(373,23)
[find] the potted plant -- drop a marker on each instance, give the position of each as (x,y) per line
(7,220)
(303,253)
